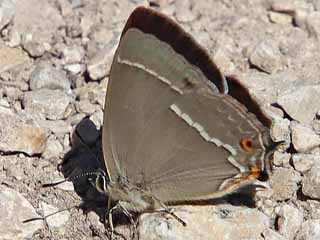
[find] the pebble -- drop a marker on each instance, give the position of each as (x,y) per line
(46,76)
(301,103)
(50,104)
(21,136)
(7,13)
(14,209)
(304,139)
(289,221)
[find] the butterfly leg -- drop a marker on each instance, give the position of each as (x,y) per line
(109,214)
(129,216)
(170,212)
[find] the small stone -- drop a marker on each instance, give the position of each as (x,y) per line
(58,127)
(267,57)
(312,208)
(54,149)
(280,129)
(313,24)
(86,107)
(75,119)
(99,65)
(93,92)
(304,162)
(304,139)
(65,8)
(12,93)
(7,13)
(20,136)
(310,230)
(14,39)
(301,103)
(289,221)
(183,13)
(281,159)
(57,220)
(97,118)
(284,183)
(283,6)
(11,58)
(300,18)
(280,18)
(46,76)
(74,68)
(311,182)
(33,45)
(50,104)
(15,209)
(73,54)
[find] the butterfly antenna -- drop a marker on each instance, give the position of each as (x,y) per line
(49,215)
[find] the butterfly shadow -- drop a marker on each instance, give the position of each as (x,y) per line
(81,164)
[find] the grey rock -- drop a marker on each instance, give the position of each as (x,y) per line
(310,230)
(311,182)
(75,119)
(280,18)
(312,209)
(281,159)
(58,127)
(304,138)
(93,92)
(313,24)
(304,162)
(12,93)
(56,221)
(301,103)
(46,76)
(74,68)
(7,13)
(267,57)
(97,118)
(33,45)
(280,130)
(11,58)
(300,18)
(223,222)
(283,6)
(51,104)
(86,107)
(289,220)
(14,209)
(18,135)
(99,65)
(284,183)
(73,54)
(183,13)
(14,39)
(53,150)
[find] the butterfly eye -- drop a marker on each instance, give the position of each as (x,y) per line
(246,144)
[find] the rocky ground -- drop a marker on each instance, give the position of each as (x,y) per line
(55,57)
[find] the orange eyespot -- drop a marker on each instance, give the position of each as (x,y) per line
(246,144)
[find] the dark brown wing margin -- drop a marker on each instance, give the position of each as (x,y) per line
(165,29)
(241,93)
